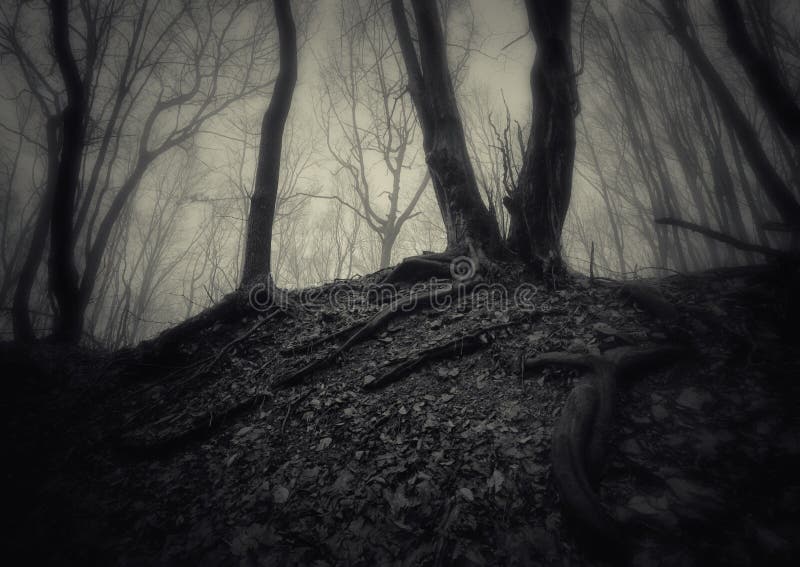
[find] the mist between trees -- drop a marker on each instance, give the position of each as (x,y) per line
(686,114)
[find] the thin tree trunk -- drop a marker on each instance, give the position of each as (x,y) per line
(258,244)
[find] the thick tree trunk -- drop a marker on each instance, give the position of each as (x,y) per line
(64,280)
(258,243)
(776,189)
(762,71)
(468,223)
(539,203)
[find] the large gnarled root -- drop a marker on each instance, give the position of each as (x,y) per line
(461,266)
(420,268)
(579,436)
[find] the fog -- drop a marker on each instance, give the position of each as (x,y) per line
(653,141)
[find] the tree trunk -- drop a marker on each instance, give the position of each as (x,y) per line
(539,203)
(388,238)
(468,224)
(258,243)
(776,189)
(20,314)
(64,282)
(762,71)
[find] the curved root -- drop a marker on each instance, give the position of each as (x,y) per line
(579,436)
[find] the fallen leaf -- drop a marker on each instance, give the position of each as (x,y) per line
(280,494)
(495,482)
(466,494)
(343,481)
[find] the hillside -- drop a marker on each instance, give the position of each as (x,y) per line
(132,459)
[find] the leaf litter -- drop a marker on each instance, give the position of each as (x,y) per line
(452,463)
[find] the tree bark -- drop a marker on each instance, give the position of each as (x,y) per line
(538,205)
(762,71)
(63,273)
(468,223)
(258,243)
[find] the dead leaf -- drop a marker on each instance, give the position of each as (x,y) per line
(280,494)
(495,482)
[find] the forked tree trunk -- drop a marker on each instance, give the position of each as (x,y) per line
(468,223)
(64,280)
(538,205)
(258,243)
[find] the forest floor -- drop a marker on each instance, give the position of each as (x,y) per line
(118,462)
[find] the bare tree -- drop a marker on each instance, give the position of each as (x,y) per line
(369,125)
(258,242)
(140,79)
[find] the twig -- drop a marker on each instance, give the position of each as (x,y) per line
(294,401)
(229,346)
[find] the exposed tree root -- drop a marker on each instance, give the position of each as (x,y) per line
(200,428)
(458,347)
(228,309)
(419,268)
(651,300)
(342,334)
(207,366)
(405,305)
(580,434)
(234,306)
